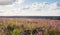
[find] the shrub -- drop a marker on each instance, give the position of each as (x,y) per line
(16,32)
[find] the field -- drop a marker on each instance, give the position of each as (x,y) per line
(29,26)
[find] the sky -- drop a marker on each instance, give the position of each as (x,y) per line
(29,7)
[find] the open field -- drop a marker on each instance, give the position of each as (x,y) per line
(17,26)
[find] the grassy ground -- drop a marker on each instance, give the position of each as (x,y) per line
(29,26)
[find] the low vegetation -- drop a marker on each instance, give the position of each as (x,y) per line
(13,28)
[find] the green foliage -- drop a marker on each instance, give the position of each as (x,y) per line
(27,26)
(52,32)
(16,32)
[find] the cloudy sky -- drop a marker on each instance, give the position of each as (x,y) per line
(29,7)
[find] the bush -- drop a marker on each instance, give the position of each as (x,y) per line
(16,32)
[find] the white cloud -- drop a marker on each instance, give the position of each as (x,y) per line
(41,9)
(7,10)
(6,2)
(36,9)
(20,1)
